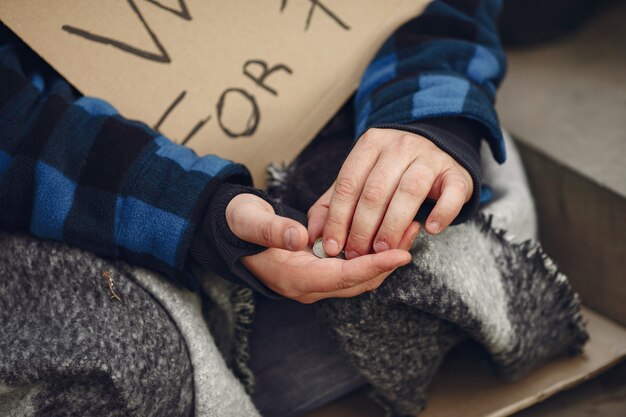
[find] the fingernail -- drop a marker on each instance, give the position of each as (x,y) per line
(291,238)
(380,246)
(434,227)
(331,246)
(350,254)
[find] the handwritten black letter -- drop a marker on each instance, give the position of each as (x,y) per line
(182,13)
(253,120)
(169,109)
(325,9)
(161,57)
(265,72)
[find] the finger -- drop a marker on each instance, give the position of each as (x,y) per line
(317,215)
(455,191)
(369,285)
(359,289)
(377,192)
(406,243)
(328,275)
(346,194)
(412,190)
(252,219)
(315,277)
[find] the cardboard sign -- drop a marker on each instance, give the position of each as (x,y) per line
(251,81)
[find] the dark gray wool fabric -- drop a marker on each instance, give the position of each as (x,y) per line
(68,348)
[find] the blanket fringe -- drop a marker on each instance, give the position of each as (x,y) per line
(243,306)
(565,300)
(277,180)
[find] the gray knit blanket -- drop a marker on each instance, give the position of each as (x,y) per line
(487,279)
(85,336)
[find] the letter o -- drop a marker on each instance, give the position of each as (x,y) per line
(253,119)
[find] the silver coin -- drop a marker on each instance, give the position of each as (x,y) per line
(318,250)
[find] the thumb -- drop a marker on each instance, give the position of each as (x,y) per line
(253,219)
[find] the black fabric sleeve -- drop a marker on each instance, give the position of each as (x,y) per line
(461,139)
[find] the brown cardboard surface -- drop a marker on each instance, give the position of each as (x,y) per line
(180,66)
(466,388)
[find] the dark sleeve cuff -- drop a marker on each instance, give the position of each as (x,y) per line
(217,248)
(461,139)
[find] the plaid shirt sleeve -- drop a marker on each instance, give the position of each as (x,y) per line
(73,170)
(447,62)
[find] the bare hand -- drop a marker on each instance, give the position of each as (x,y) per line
(380,187)
(303,277)
(289,267)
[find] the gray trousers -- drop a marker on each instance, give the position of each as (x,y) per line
(296,365)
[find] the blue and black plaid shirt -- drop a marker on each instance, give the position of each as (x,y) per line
(72,169)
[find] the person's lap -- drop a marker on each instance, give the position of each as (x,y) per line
(296,365)
(60,324)
(68,348)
